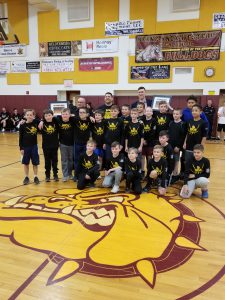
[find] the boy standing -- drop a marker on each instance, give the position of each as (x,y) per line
(196,174)
(50,144)
(88,167)
(163,118)
(141,111)
(157,170)
(114,168)
(98,131)
(28,145)
(133,171)
(15,118)
(125,111)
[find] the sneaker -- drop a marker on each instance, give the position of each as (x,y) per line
(71,177)
(65,179)
(3,129)
(56,178)
(115,189)
(174,179)
(127,190)
(47,179)
(205,194)
(146,189)
(26,180)
(36,180)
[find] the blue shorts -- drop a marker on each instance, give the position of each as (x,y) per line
(31,153)
(99,152)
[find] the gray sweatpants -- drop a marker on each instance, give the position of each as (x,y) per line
(113,178)
(66,159)
(201,182)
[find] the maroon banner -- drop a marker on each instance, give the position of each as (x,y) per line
(96,64)
(185,46)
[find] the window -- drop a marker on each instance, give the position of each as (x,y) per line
(4,18)
(190,5)
(78,10)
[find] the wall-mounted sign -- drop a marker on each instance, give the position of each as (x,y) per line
(25,66)
(58,65)
(124,27)
(150,72)
(99,46)
(4,67)
(96,64)
(185,46)
(219,20)
(13,50)
(64,48)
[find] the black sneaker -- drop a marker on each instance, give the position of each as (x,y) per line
(127,190)
(56,178)
(91,185)
(146,189)
(26,180)
(47,179)
(36,180)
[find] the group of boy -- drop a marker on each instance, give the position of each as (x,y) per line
(122,146)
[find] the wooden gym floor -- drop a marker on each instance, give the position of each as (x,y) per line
(59,243)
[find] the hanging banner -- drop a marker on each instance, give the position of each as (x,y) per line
(124,27)
(13,50)
(58,65)
(18,67)
(96,64)
(33,66)
(150,72)
(67,48)
(185,46)
(218,20)
(4,67)
(99,46)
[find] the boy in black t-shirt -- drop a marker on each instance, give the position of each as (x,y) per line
(114,168)
(157,170)
(4,119)
(133,171)
(98,132)
(88,167)
(162,117)
(50,144)
(28,145)
(15,119)
(196,132)
(196,175)
(141,111)
(125,111)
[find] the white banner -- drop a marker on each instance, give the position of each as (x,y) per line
(4,67)
(13,50)
(124,27)
(18,67)
(99,46)
(219,20)
(58,65)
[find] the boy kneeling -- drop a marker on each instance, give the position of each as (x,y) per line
(197,172)
(88,167)
(114,168)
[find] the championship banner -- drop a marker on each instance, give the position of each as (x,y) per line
(58,65)
(4,67)
(150,72)
(218,20)
(96,64)
(99,46)
(67,48)
(13,50)
(186,46)
(124,27)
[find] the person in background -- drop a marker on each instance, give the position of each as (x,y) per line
(141,111)
(15,119)
(4,119)
(106,108)
(81,103)
(209,111)
(221,122)
(142,98)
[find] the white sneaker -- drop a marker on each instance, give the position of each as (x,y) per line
(115,189)
(3,130)
(65,179)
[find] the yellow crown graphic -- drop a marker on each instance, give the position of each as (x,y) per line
(115,164)
(161,120)
(83,126)
(32,130)
(65,126)
(87,164)
(158,170)
(147,128)
(133,131)
(192,129)
(99,131)
(49,129)
(198,169)
(112,126)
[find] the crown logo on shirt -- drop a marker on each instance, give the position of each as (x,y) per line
(32,130)
(115,164)
(49,129)
(192,129)
(65,126)
(133,131)
(161,120)
(112,126)
(99,131)
(147,128)
(83,126)
(198,169)
(158,170)
(87,164)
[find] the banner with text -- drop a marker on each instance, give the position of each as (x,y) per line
(4,67)
(13,50)
(97,46)
(219,20)
(124,27)
(150,72)
(185,46)
(96,64)
(67,48)
(58,65)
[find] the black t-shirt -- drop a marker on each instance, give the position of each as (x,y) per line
(50,138)
(160,167)
(82,130)
(209,112)
(196,131)
(134,132)
(107,110)
(114,162)
(125,120)
(199,168)
(177,134)
(4,115)
(162,121)
(133,167)
(16,117)
(66,131)
(168,156)
(114,131)
(98,132)
(28,134)
(149,131)
(87,164)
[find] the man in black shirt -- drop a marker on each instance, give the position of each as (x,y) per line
(106,108)
(209,111)
(196,175)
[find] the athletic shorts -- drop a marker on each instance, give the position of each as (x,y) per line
(99,152)
(31,153)
(221,127)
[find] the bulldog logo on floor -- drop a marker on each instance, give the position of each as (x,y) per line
(103,234)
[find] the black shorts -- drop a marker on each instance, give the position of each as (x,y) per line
(31,153)
(221,127)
